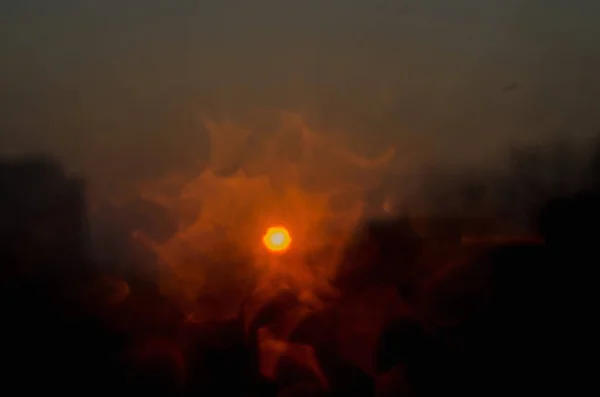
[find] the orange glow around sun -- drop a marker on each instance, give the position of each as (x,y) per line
(277,239)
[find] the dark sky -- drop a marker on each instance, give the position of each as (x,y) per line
(114,88)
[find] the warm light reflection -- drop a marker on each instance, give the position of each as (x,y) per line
(277,239)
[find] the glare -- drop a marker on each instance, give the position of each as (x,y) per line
(277,239)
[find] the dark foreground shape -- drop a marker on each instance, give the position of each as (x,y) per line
(416,317)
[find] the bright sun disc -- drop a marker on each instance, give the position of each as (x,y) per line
(277,239)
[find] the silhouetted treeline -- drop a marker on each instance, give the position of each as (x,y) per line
(43,221)
(452,304)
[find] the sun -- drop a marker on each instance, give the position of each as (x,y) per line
(277,239)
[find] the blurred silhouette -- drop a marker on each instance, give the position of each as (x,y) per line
(42,219)
(44,261)
(427,305)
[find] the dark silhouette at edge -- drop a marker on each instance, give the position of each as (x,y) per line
(481,318)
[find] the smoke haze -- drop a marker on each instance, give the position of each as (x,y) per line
(119,90)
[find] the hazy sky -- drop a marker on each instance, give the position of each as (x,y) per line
(115,87)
